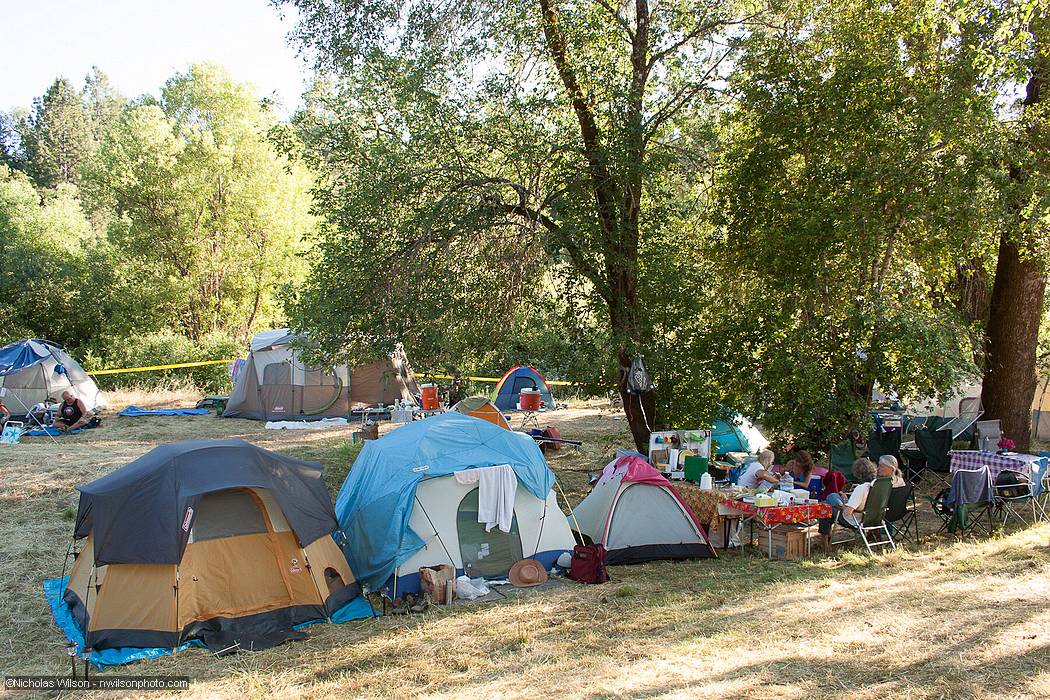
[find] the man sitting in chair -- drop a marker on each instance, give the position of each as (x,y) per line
(72,412)
(850,513)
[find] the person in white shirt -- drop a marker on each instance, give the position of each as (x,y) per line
(851,512)
(758,472)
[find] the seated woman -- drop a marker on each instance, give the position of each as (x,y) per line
(802,470)
(72,412)
(888,467)
(759,471)
(851,513)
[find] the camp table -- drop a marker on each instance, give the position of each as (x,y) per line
(975,459)
(768,517)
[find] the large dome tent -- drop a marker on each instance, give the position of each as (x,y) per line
(33,371)
(275,383)
(241,535)
(403,506)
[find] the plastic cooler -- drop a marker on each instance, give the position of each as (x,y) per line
(530,400)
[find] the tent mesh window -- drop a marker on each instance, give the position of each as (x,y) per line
(318,377)
(523,383)
(488,554)
(227,514)
(277,373)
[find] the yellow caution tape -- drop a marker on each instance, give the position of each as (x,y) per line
(220,362)
(156,367)
(555,382)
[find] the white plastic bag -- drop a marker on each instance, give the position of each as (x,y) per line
(470,588)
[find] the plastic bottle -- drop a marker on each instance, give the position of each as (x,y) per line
(705,481)
(787,482)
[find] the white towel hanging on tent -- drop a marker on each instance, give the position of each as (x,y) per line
(496,488)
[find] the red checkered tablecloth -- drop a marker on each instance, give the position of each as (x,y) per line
(779,515)
(975,459)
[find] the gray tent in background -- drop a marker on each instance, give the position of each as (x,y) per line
(33,371)
(276,385)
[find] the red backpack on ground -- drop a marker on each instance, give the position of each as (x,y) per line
(588,564)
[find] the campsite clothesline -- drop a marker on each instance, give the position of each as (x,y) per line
(203,363)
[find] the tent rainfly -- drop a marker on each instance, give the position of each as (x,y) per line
(405,503)
(33,371)
(241,535)
(481,407)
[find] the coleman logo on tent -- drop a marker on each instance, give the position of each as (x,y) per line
(422,469)
(279,408)
(187,520)
(295,566)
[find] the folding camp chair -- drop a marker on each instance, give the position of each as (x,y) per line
(935,446)
(901,515)
(989,432)
(874,531)
(966,502)
(842,457)
(1013,491)
(1040,484)
(884,442)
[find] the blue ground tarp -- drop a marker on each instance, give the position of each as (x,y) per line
(53,432)
(133,411)
(356,609)
(376,500)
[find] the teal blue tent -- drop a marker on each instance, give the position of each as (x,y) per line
(737,434)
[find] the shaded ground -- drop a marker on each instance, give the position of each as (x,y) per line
(954,619)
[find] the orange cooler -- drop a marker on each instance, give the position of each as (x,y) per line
(430,397)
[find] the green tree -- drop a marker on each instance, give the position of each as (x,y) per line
(56,137)
(1019,290)
(468,146)
(855,178)
(208,215)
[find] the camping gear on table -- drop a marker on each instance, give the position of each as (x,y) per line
(481,407)
(243,537)
(276,384)
(526,573)
(507,394)
(588,564)
(637,516)
(400,507)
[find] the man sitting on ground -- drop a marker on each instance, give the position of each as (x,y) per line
(72,412)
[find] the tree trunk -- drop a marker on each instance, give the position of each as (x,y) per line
(1017,301)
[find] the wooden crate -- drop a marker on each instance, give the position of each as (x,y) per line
(789,542)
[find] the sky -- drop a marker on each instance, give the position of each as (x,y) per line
(139,44)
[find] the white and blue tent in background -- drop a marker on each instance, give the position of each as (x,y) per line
(33,371)
(400,508)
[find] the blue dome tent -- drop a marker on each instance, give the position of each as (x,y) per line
(508,389)
(399,508)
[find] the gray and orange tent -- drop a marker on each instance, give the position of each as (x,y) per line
(481,407)
(218,541)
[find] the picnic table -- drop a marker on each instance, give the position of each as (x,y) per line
(768,517)
(996,463)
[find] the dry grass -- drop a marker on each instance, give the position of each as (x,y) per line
(953,620)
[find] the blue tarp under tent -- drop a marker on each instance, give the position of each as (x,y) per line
(135,411)
(377,499)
